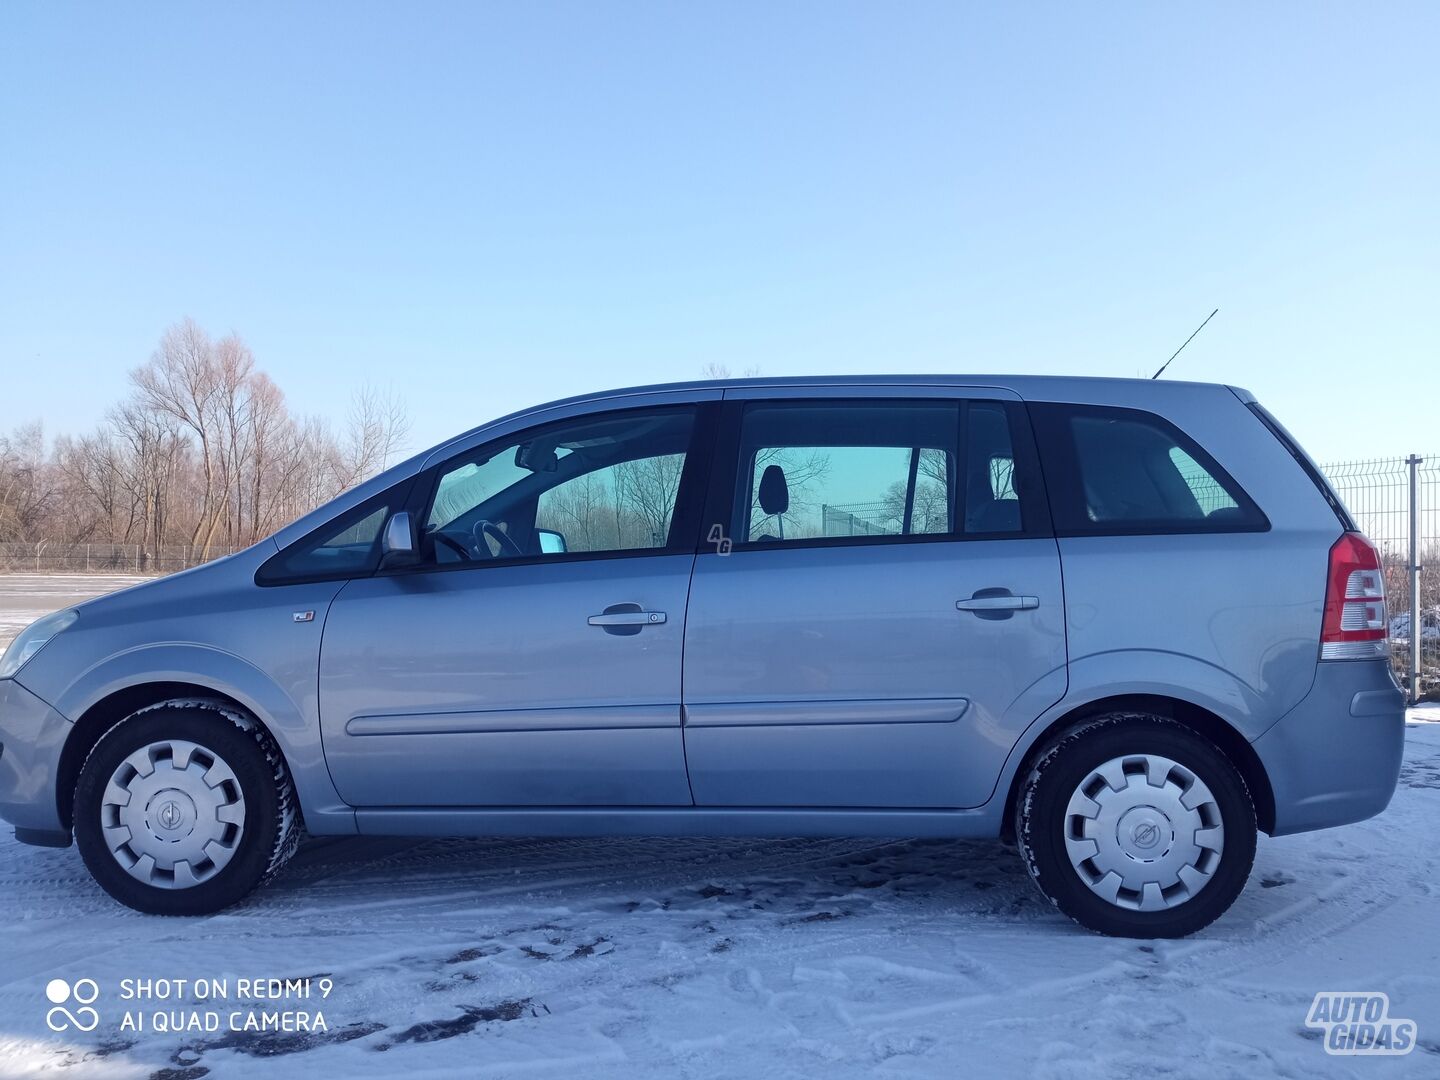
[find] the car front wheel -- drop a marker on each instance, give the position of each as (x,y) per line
(185,807)
(1136,826)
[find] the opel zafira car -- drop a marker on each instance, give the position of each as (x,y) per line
(1125,624)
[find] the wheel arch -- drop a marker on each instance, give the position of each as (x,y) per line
(1197,718)
(113,689)
(104,714)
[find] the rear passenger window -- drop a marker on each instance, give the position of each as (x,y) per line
(813,470)
(1122,470)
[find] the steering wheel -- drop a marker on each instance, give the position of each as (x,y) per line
(507,546)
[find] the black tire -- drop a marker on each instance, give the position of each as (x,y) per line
(1041,810)
(271,829)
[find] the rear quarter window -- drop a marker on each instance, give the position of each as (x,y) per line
(1117,471)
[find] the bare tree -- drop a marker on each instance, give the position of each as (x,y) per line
(929,512)
(805,469)
(716,370)
(181,382)
(24,494)
(377,428)
(584,510)
(204,451)
(649,488)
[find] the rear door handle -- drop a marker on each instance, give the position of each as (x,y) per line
(998,603)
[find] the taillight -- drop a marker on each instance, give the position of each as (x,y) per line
(1354,626)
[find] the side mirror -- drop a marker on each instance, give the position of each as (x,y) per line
(551,542)
(398,543)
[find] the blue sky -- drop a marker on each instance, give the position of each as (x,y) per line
(486,206)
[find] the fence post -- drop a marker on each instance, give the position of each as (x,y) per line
(1413,689)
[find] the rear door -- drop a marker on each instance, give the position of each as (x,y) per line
(879,612)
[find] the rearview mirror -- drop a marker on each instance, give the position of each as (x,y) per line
(536,458)
(551,542)
(398,544)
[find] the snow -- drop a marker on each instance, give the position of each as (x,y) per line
(25,597)
(1427,712)
(696,958)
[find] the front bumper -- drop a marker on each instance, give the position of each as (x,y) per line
(32,735)
(1335,757)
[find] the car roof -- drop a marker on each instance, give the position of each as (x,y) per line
(1012,382)
(1026,386)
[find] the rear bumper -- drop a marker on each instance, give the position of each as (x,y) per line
(32,735)
(1335,757)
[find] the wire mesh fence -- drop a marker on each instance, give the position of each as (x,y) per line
(858,519)
(1378,494)
(62,557)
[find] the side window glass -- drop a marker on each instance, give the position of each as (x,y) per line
(933,501)
(1208,493)
(467,486)
(595,484)
(349,547)
(816,470)
(617,508)
(992,505)
(1115,469)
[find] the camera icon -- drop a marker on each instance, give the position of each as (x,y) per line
(83,993)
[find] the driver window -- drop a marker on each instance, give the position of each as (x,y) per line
(618,508)
(596,484)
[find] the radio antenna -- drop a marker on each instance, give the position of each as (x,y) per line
(1186,342)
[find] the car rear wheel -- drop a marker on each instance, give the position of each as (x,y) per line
(1136,826)
(185,807)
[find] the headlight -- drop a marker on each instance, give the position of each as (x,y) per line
(32,639)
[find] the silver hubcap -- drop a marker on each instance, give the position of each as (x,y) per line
(173,814)
(1144,832)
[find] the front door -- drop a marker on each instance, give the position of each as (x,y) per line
(534,657)
(887,615)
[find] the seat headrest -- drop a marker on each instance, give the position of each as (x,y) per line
(774,491)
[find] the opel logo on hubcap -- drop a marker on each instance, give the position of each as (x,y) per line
(1146,834)
(170,815)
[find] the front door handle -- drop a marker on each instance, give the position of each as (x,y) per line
(626,619)
(996,601)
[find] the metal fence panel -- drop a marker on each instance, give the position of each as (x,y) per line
(858,519)
(1377,493)
(56,556)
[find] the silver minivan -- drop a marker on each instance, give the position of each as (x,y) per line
(1125,624)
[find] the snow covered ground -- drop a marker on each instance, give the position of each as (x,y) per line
(25,597)
(700,958)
